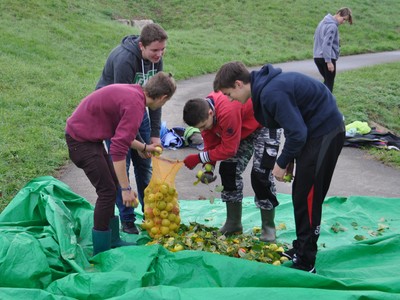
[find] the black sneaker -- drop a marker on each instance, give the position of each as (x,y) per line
(299,265)
(289,254)
(309,268)
(129,227)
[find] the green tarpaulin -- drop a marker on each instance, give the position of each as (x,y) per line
(45,253)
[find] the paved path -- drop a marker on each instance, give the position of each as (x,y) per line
(355,174)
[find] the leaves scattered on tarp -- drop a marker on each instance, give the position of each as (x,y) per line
(381,228)
(337,227)
(359,237)
(203,238)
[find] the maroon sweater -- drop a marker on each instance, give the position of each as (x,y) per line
(113,112)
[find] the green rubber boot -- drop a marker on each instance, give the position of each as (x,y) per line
(233,223)
(101,241)
(116,240)
(268,231)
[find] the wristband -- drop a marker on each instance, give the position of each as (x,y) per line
(204,157)
(144,150)
(126,189)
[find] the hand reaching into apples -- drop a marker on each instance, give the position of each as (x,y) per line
(151,150)
(284,175)
(207,176)
(192,161)
(146,150)
(289,173)
(129,198)
(157,150)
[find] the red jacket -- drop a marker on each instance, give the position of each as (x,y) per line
(233,122)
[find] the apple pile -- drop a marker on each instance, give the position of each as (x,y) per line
(161,210)
(200,237)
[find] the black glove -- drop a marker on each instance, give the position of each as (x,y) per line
(208,177)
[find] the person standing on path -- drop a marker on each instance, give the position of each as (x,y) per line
(114,113)
(314,136)
(327,44)
(135,60)
(232,135)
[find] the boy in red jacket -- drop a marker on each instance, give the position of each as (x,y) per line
(232,135)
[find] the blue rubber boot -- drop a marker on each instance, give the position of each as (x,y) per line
(116,240)
(101,241)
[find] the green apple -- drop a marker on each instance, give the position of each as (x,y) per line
(135,202)
(208,167)
(199,174)
(288,178)
(158,151)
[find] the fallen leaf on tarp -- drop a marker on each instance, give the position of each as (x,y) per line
(359,237)
(337,227)
(281,226)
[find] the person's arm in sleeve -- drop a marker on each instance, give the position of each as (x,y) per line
(327,45)
(129,196)
(210,141)
(231,125)
(288,116)
(155,125)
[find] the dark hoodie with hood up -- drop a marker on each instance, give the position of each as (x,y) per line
(125,64)
(301,105)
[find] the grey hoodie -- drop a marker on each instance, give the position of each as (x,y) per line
(125,64)
(326,39)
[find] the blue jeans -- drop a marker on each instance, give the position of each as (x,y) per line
(142,168)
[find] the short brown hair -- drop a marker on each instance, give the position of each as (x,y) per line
(344,12)
(229,73)
(152,32)
(159,85)
(195,111)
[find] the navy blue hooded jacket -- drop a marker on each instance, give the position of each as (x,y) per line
(301,105)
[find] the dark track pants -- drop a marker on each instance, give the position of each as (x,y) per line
(314,171)
(329,77)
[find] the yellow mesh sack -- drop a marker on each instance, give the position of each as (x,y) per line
(161,207)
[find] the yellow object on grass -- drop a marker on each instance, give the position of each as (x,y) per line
(360,127)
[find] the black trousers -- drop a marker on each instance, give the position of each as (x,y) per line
(98,167)
(314,171)
(329,77)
